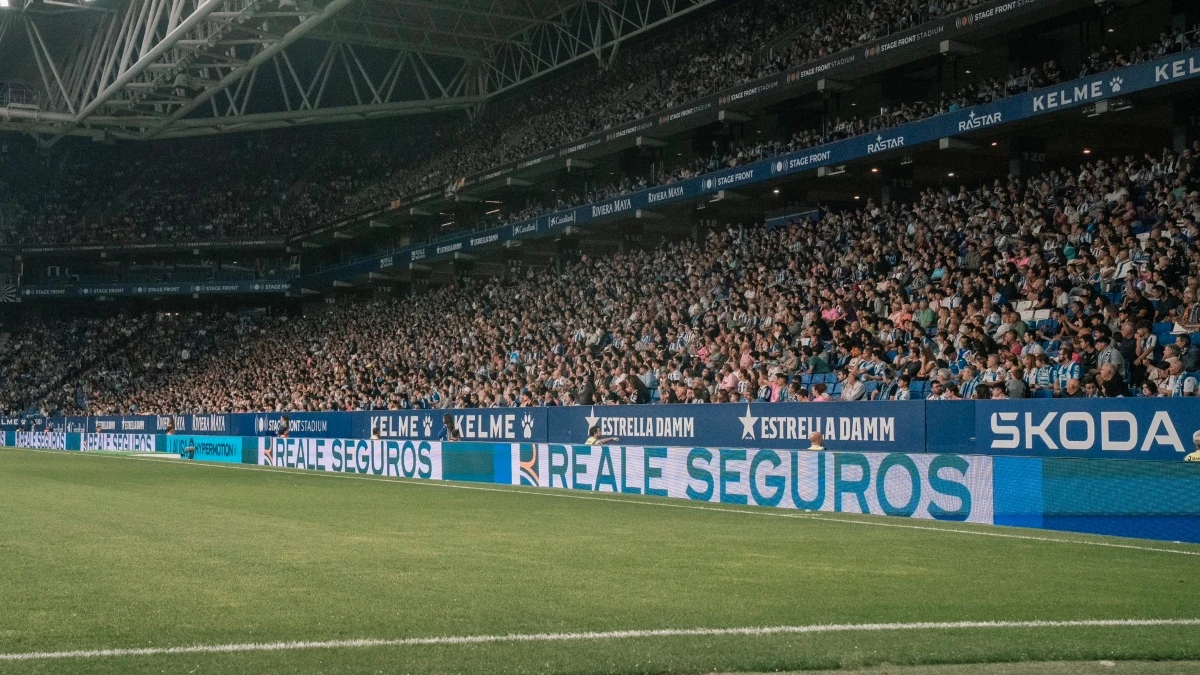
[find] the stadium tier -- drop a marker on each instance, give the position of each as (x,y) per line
(600,336)
(1077,282)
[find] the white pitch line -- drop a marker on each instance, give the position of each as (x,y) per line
(563,494)
(605,635)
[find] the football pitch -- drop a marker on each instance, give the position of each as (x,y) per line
(122,564)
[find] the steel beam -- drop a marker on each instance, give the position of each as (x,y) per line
(201,13)
(260,58)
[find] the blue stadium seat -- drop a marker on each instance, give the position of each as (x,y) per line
(1043,393)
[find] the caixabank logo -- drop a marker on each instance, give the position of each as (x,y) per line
(528,468)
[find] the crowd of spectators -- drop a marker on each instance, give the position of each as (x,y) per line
(1077,282)
(43,362)
(280,183)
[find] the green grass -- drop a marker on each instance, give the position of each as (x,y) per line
(118,552)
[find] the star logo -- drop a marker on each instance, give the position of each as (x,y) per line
(592,419)
(748,424)
(879,139)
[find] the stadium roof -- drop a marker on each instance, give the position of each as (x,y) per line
(145,69)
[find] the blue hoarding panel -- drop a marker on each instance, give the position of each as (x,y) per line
(207,448)
(1129,428)
(1122,428)
(893,427)
(1018,491)
(479,424)
(950,426)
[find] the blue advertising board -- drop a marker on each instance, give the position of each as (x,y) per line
(228,449)
(860,426)
(1126,428)
(477,424)
(156,289)
(1112,428)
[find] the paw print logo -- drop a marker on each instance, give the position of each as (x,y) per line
(527,425)
(1115,84)
(428,424)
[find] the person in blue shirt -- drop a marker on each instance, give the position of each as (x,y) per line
(1066,370)
(970,381)
(449,431)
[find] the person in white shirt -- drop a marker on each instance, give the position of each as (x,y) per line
(1195,456)
(817,441)
(1177,382)
(852,389)
(994,372)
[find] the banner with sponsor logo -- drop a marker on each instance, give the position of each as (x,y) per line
(76,248)
(228,449)
(1133,428)
(1126,428)
(315,425)
(937,487)
(865,426)
(479,424)
(400,459)
(119,442)
(39,440)
(148,290)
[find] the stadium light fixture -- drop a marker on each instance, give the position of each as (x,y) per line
(874,170)
(951,174)
(995,143)
(3,4)
(1087,151)
(776,190)
(856,198)
(492,211)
